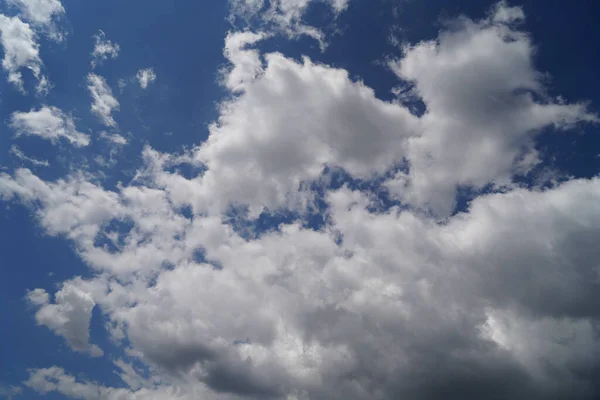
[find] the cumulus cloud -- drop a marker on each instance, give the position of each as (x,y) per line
(103,101)
(359,311)
(21,50)
(68,317)
(479,85)
(104,49)
(265,144)
(373,303)
(145,77)
(477,81)
(42,14)
(49,123)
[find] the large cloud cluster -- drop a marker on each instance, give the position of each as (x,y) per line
(414,301)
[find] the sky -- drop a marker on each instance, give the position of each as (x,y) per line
(299,199)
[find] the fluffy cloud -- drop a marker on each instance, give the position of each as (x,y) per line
(145,77)
(20,50)
(68,317)
(42,14)
(265,144)
(73,207)
(477,82)
(49,123)
(103,101)
(375,303)
(480,87)
(306,313)
(104,49)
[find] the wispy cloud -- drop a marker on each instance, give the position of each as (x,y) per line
(104,49)
(145,77)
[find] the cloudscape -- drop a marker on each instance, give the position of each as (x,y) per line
(299,199)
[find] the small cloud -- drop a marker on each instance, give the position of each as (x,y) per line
(38,297)
(49,123)
(103,101)
(43,86)
(122,83)
(114,138)
(18,153)
(103,49)
(8,392)
(69,316)
(145,77)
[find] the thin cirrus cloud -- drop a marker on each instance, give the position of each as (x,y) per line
(407,300)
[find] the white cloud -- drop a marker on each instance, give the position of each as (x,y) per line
(477,82)
(247,8)
(20,50)
(114,138)
(284,16)
(38,297)
(246,64)
(292,10)
(41,14)
(291,122)
(43,86)
(103,101)
(393,277)
(503,13)
(68,317)
(145,77)
(49,123)
(17,152)
(104,49)
(74,207)
(379,304)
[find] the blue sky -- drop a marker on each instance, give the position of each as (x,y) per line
(299,199)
